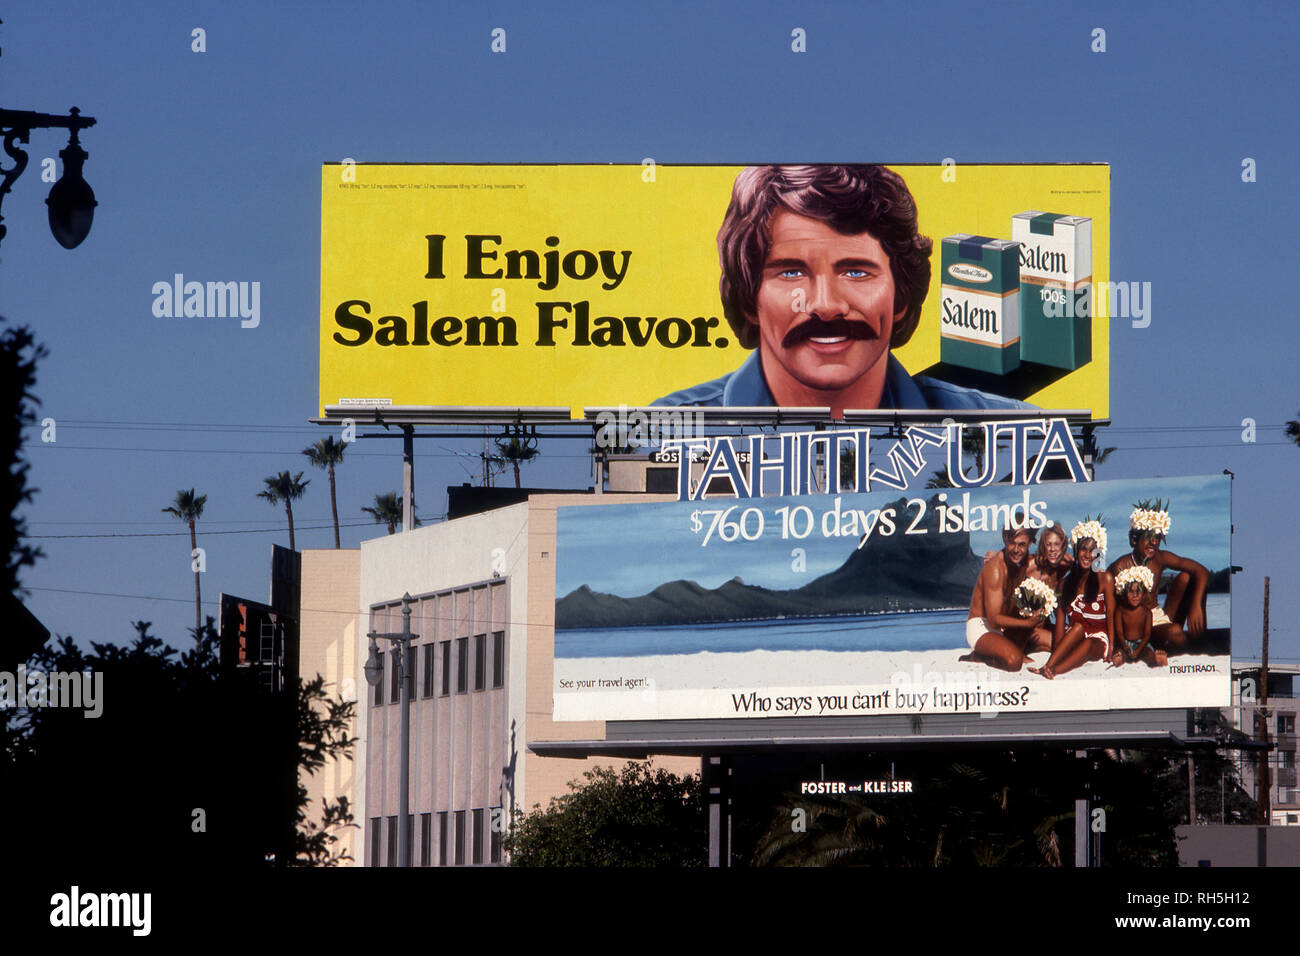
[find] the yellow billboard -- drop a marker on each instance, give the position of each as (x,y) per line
(849,286)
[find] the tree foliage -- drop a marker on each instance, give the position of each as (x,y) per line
(388,511)
(178,768)
(517,447)
(287,488)
(643,816)
(326,453)
(19,354)
(989,808)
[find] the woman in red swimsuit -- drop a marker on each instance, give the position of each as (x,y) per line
(1085,632)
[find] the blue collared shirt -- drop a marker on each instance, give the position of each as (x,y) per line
(746,387)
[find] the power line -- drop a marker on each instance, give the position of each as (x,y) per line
(279,529)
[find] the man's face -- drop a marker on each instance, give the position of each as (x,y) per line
(1148,545)
(825,304)
(1018,548)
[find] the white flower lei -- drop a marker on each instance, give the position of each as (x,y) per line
(1136,573)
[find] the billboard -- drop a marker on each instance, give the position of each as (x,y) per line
(518,286)
(887,603)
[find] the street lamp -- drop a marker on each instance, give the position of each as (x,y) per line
(373,669)
(71,200)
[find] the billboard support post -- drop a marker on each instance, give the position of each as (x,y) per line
(715,774)
(408,477)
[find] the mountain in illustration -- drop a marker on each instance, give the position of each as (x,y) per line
(899,572)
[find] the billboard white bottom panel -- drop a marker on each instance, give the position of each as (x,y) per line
(821,684)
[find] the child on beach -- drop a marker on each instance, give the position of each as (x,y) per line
(1133,620)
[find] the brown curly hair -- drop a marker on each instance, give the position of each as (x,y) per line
(851,199)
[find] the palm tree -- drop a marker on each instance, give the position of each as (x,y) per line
(189,507)
(516,448)
(1293,430)
(286,488)
(327,453)
(388,510)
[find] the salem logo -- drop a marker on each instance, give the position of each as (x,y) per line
(969,273)
(1035,257)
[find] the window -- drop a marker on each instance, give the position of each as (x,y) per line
(374,840)
(410,839)
(462,664)
(445,646)
(1286,723)
(460,837)
(480,661)
(379,685)
(428,670)
(426,838)
(477,856)
(498,658)
(442,838)
(497,821)
(392,841)
(395,687)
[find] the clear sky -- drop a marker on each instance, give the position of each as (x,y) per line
(208,164)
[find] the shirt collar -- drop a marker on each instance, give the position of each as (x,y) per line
(746,387)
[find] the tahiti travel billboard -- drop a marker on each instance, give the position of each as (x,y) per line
(940,600)
(846,286)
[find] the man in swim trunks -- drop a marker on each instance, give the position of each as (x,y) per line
(998,638)
(1185,598)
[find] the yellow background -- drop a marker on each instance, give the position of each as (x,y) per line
(373,248)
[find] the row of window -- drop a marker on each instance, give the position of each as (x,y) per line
(464,836)
(433,662)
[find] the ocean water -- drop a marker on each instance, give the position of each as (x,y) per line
(919,631)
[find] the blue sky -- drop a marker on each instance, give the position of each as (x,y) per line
(208,164)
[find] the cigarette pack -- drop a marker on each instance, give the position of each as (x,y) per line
(1055,278)
(979,304)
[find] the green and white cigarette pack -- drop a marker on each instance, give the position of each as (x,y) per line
(979,306)
(1055,278)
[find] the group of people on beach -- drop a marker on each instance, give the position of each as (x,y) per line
(1078,612)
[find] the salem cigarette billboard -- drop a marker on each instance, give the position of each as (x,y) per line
(884,602)
(857,286)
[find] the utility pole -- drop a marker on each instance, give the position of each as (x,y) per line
(1264,800)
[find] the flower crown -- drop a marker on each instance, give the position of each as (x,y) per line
(1150,517)
(1137,573)
(1090,528)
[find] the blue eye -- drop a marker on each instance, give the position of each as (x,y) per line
(789,273)
(856,273)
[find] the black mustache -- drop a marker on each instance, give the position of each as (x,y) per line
(834,328)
